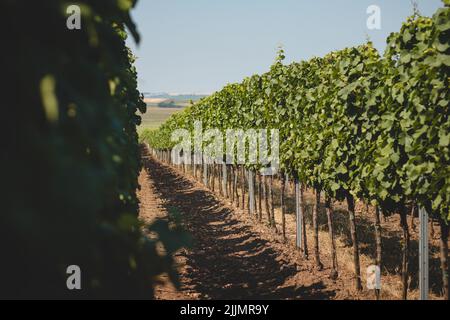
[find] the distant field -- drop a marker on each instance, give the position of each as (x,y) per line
(155,116)
(167,103)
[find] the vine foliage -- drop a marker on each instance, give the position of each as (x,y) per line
(70,158)
(352,122)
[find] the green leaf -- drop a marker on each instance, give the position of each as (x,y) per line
(49,99)
(444,138)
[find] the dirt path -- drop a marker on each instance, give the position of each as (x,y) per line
(151,208)
(232,257)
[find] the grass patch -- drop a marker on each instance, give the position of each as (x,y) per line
(156,116)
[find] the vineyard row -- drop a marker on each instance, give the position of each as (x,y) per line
(353,125)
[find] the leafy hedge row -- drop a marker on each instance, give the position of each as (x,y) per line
(352,122)
(70,155)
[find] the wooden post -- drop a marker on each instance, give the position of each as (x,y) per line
(283,205)
(423,254)
(251,191)
(224,179)
(299,220)
(205,173)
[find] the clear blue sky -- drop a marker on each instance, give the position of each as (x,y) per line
(197,46)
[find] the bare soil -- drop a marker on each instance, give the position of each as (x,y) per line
(236,257)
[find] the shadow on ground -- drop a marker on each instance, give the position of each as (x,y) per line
(228,260)
(392,241)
